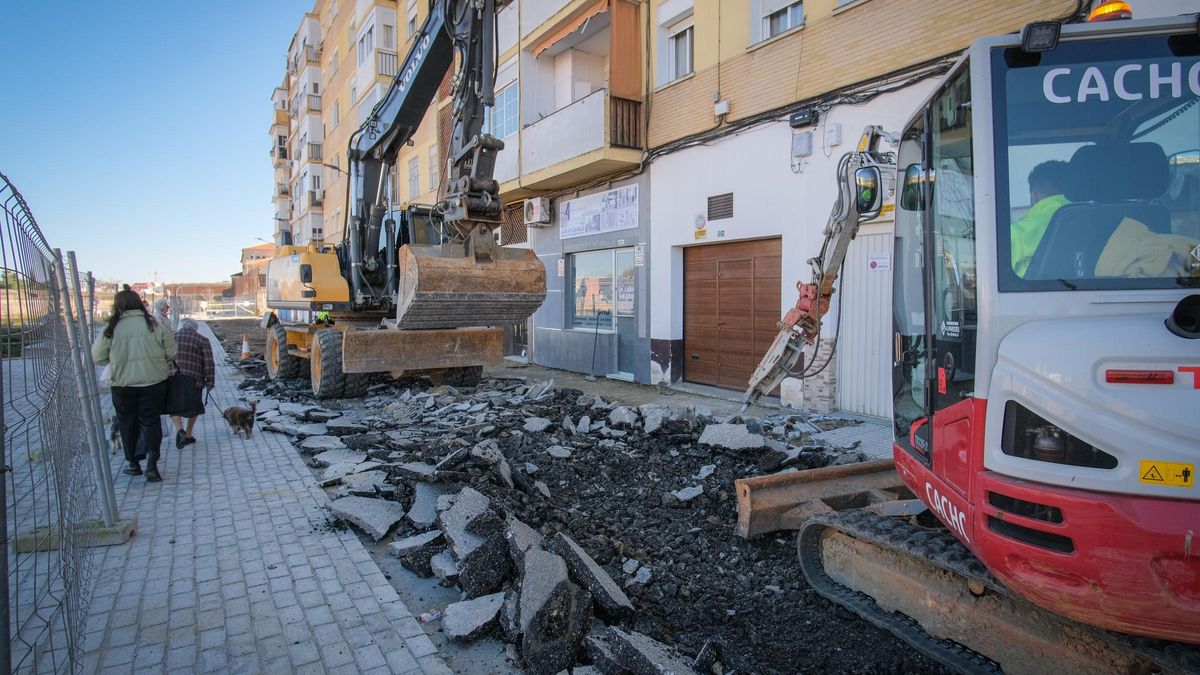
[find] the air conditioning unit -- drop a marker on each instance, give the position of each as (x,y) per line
(537,212)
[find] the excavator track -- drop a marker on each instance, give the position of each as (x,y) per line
(927,572)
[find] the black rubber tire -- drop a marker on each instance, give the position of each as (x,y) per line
(356,385)
(467,376)
(284,365)
(325,356)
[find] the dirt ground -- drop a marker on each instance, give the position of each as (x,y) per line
(707,584)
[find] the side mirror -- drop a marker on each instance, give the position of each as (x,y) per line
(868,197)
(912,193)
(1185,158)
(306,273)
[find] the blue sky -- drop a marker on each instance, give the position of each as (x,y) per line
(137,131)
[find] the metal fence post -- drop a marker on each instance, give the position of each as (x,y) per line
(91,304)
(5,642)
(110,518)
(93,401)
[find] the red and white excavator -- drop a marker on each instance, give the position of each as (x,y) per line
(1041,512)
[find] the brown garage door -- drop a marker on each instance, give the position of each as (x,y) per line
(730,310)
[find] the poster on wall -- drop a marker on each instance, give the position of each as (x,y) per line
(625,291)
(607,211)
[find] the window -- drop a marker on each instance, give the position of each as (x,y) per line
(366,44)
(333,62)
(501,119)
(388,37)
(353,93)
(434,179)
(414,178)
(316,87)
(679,50)
(604,283)
(337,112)
(779,17)
(316,181)
(1096,156)
(412,18)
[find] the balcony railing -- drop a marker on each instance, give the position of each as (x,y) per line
(281,189)
(314,103)
(385,63)
(314,152)
(312,54)
(278,152)
(625,122)
(579,128)
(316,197)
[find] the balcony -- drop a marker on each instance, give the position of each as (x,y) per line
(281,189)
(312,54)
(281,116)
(595,136)
(385,63)
(316,197)
(314,103)
(314,152)
(278,156)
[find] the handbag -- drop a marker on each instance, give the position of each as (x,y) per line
(106,375)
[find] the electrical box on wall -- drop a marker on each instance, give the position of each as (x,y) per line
(720,108)
(537,212)
(801,143)
(803,118)
(833,134)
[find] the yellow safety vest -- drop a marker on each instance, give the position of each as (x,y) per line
(1027,232)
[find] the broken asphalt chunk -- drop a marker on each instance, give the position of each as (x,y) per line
(553,614)
(587,573)
(417,552)
(464,621)
(423,513)
(642,655)
(731,437)
(373,516)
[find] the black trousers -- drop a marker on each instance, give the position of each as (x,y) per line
(138,412)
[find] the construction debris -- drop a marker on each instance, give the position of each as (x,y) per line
(585,490)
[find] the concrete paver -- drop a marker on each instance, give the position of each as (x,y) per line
(234,568)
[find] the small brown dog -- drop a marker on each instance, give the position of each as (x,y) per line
(241,419)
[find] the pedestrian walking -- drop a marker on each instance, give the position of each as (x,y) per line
(139,350)
(162,313)
(194,363)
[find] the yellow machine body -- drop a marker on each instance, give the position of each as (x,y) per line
(304,277)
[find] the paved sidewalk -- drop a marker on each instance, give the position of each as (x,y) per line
(234,569)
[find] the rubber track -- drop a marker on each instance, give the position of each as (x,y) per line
(939,548)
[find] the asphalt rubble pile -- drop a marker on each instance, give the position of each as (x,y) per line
(583,533)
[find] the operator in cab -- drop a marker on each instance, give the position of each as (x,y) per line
(1046,185)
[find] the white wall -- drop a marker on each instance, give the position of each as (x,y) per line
(569,132)
(770,200)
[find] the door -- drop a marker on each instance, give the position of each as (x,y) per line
(934,318)
(624,304)
(866,326)
(731,305)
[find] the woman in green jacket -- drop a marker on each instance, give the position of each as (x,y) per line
(139,350)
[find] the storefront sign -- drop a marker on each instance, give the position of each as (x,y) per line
(607,211)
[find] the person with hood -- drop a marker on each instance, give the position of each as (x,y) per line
(139,350)
(162,314)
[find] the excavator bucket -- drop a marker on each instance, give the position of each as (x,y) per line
(443,291)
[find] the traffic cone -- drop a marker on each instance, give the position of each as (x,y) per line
(245,348)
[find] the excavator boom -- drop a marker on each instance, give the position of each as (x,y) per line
(862,178)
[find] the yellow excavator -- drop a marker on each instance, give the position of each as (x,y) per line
(424,289)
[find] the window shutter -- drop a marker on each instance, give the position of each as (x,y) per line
(720,206)
(769,7)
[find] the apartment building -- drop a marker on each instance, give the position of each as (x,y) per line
(742,192)
(570,92)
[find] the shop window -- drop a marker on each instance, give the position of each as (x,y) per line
(604,288)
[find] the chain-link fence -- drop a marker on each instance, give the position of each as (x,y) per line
(50,498)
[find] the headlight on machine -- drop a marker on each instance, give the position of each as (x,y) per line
(1029,436)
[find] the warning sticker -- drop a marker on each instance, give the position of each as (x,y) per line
(1177,474)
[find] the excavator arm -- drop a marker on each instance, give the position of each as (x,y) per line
(467,279)
(861,177)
